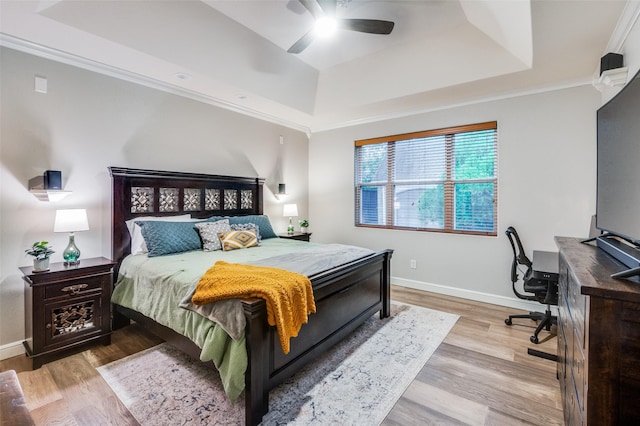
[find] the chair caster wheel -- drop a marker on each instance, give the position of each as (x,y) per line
(534,339)
(508,321)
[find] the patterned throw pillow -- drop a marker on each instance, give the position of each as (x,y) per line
(233,240)
(169,237)
(247,227)
(209,234)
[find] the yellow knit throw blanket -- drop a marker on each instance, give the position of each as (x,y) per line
(288,295)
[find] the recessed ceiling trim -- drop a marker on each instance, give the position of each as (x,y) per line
(90,65)
(630,14)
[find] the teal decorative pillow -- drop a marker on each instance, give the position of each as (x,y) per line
(262,221)
(138,245)
(169,237)
(234,240)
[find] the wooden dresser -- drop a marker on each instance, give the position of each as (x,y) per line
(598,338)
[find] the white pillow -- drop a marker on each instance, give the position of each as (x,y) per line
(138,246)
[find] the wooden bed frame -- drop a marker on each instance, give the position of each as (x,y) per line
(345,296)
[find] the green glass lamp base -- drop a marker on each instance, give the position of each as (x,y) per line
(71,254)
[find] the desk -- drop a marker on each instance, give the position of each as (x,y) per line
(546,265)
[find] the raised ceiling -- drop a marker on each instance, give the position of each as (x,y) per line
(233,53)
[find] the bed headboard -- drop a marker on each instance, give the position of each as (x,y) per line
(138,192)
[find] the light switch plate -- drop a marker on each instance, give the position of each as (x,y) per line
(41,84)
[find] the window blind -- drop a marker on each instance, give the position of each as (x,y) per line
(438,180)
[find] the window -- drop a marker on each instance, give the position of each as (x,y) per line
(441,180)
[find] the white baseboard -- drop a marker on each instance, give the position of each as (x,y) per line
(11,349)
(477,296)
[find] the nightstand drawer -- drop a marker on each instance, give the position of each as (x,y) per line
(68,321)
(77,287)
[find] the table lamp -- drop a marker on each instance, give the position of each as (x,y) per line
(290,210)
(71,220)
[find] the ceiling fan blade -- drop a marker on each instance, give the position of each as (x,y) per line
(371,26)
(302,43)
(313,7)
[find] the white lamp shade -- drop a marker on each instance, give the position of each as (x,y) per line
(290,210)
(71,220)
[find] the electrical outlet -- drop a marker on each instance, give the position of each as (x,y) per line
(413,264)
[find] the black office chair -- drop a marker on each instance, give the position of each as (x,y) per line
(542,291)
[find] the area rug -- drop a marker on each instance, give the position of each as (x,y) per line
(357,382)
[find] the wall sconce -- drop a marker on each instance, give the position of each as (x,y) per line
(282,192)
(71,220)
(48,187)
(290,210)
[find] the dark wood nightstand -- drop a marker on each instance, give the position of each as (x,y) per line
(67,307)
(300,236)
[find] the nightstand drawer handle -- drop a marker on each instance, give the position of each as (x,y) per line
(75,289)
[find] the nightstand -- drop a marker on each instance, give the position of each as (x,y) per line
(300,236)
(67,307)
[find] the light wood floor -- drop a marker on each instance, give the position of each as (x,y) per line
(480,375)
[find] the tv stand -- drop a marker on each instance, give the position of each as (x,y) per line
(624,253)
(598,338)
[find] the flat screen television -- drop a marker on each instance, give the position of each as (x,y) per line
(618,174)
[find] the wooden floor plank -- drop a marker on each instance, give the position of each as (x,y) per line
(503,395)
(409,413)
(54,413)
(39,388)
(505,380)
(451,405)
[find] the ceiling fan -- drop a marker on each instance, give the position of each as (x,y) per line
(324,12)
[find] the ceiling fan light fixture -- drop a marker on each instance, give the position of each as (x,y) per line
(325,26)
(323,11)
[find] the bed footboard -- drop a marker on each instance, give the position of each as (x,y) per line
(345,297)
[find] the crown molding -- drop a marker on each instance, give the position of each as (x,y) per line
(111,71)
(611,78)
(627,20)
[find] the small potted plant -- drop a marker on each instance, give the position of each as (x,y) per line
(304,224)
(41,251)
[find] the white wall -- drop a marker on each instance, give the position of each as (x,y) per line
(546,187)
(87,122)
